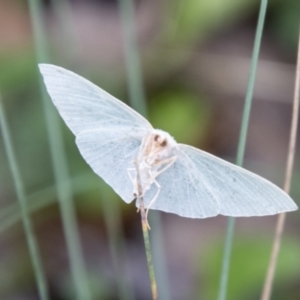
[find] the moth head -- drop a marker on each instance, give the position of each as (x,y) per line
(160,140)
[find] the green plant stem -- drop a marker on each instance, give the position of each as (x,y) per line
(251,82)
(63,14)
(132,58)
(138,102)
(148,253)
(159,259)
(111,212)
(28,227)
(145,226)
(242,145)
(59,160)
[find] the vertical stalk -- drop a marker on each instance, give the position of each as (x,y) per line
(242,145)
(27,224)
(132,58)
(145,226)
(111,212)
(266,294)
(148,252)
(63,13)
(59,162)
(138,102)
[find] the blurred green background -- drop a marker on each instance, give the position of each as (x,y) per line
(195,58)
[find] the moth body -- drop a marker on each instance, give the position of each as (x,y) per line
(155,156)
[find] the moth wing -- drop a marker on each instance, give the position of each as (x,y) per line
(84,106)
(240,193)
(110,153)
(183,191)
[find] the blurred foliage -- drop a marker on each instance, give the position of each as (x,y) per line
(17,275)
(184,115)
(100,287)
(249,261)
(17,71)
(284,24)
(193,19)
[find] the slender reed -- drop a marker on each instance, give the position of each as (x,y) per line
(63,13)
(145,226)
(132,58)
(138,102)
(59,161)
(267,289)
(111,212)
(27,224)
(242,145)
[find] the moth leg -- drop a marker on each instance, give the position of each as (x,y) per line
(145,141)
(133,180)
(130,175)
(135,187)
(169,161)
(165,161)
(138,209)
(151,203)
(154,199)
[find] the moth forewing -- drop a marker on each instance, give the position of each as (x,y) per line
(239,192)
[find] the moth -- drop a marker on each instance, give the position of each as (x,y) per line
(176,178)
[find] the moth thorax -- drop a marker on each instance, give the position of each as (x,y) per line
(161,145)
(160,140)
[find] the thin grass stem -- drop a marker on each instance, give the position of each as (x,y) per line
(59,162)
(132,58)
(148,252)
(64,16)
(111,212)
(27,224)
(145,227)
(242,145)
(138,102)
(267,289)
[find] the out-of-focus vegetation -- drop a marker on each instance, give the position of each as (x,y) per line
(195,59)
(249,262)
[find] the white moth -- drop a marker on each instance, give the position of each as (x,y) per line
(174,177)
